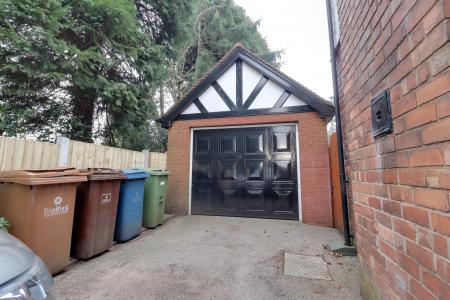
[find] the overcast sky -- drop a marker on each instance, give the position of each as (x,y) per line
(299,27)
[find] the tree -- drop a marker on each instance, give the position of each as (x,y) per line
(32,61)
(96,69)
(215,27)
(66,64)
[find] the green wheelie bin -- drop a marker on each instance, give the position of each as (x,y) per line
(154,198)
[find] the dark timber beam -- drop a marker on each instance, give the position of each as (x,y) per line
(223,95)
(282,99)
(249,112)
(200,106)
(262,82)
(239,84)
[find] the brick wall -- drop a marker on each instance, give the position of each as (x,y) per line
(400,183)
(314,163)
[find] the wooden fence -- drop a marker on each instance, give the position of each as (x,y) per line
(338,216)
(27,154)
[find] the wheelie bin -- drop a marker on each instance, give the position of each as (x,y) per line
(154,198)
(131,202)
(40,205)
(95,212)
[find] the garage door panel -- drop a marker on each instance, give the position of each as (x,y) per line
(283,170)
(203,195)
(203,171)
(254,169)
(283,201)
(228,170)
(255,200)
(254,143)
(229,199)
(203,145)
(228,144)
(281,142)
(245,172)
(280,185)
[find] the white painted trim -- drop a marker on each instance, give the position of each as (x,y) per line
(191,152)
(299,185)
(299,189)
(242,126)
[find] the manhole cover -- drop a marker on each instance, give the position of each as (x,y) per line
(306,266)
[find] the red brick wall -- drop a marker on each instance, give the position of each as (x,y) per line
(400,183)
(314,163)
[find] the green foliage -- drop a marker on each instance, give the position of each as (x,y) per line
(31,63)
(66,64)
(91,69)
(4,224)
(214,28)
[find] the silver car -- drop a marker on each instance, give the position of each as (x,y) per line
(23,275)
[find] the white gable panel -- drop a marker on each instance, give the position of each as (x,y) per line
(192,109)
(212,101)
(268,96)
(250,77)
(293,101)
(228,82)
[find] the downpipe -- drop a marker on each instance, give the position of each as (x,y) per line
(342,178)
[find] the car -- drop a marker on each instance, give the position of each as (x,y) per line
(23,275)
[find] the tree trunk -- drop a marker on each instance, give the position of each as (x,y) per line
(83,115)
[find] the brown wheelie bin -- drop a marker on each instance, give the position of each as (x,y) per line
(40,206)
(95,213)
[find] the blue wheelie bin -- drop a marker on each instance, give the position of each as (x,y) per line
(131,203)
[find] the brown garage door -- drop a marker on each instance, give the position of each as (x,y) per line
(247,172)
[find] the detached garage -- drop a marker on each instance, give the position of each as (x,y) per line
(249,141)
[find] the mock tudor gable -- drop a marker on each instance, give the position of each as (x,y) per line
(241,84)
(221,95)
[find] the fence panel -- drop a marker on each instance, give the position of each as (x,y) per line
(335,184)
(27,154)
(23,154)
(157,160)
(85,155)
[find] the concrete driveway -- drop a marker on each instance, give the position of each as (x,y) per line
(202,257)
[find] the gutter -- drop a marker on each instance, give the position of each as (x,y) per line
(342,177)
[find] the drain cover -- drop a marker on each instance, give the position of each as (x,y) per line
(306,266)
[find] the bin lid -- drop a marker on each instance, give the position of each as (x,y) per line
(156,172)
(43,176)
(135,173)
(104,174)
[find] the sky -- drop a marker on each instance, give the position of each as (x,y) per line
(300,28)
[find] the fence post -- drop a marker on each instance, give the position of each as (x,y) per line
(146,157)
(63,143)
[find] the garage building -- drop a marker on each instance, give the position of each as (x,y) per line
(249,141)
